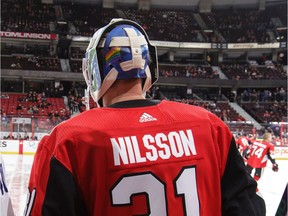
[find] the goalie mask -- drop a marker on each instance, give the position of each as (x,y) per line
(119,50)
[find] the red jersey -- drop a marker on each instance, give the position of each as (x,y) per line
(259,154)
(162,159)
(242,143)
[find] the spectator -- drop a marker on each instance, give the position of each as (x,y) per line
(4,119)
(240,118)
(30,110)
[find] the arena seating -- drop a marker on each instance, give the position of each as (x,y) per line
(265,112)
(191,70)
(26,16)
(21,62)
(75,19)
(10,103)
(167,25)
(244,70)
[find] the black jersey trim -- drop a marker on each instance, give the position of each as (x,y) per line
(134,103)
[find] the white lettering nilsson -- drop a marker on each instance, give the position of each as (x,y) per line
(127,150)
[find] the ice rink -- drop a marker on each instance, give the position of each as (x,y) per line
(271,185)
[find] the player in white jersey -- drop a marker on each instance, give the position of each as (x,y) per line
(6,208)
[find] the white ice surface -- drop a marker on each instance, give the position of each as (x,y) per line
(271,185)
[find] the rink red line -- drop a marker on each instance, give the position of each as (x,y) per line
(20,147)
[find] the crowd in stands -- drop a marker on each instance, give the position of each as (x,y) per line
(26,16)
(265,95)
(160,24)
(228,25)
(223,110)
(266,112)
(76,53)
(237,71)
(76,103)
(83,18)
(241,25)
(265,105)
(166,25)
(40,50)
(30,63)
(49,103)
(194,71)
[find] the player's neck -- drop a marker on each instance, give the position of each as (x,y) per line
(126,97)
(124,91)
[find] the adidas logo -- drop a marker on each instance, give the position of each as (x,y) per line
(145,117)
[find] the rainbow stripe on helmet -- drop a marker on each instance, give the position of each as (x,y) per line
(112,55)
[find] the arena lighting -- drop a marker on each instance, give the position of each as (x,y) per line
(276,123)
(208,30)
(62,22)
(280,37)
(242,122)
(281,28)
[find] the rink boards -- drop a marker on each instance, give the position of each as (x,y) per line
(29,147)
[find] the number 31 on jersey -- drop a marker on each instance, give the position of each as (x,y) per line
(185,186)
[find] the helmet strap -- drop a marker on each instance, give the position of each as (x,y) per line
(135,43)
(107,83)
(147,83)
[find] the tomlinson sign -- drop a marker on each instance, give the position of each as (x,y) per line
(29,35)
